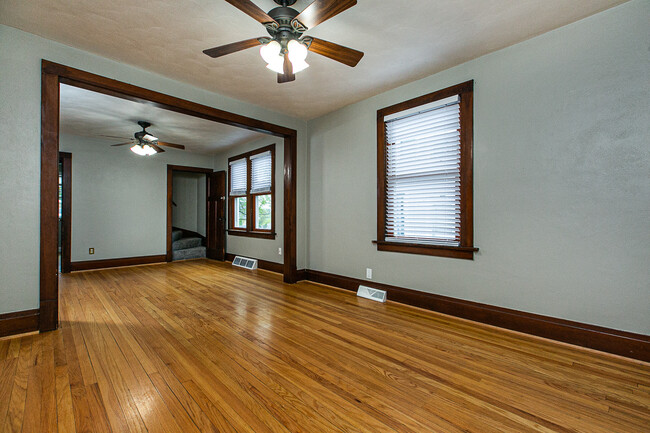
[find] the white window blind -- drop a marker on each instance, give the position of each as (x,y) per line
(238,177)
(423,174)
(261,172)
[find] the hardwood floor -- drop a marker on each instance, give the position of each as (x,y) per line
(199,346)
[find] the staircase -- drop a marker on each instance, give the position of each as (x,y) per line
(186,248)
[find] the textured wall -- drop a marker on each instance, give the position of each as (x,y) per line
(119,199)
(561,186)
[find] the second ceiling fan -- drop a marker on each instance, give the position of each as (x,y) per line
(285,51)
(145,144)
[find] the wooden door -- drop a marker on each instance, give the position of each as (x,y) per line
(216,238)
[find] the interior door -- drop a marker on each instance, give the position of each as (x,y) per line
(216,238)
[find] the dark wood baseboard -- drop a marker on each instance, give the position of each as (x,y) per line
(113,263)
(262,264)
(628,344)
(301,274)
(18,322)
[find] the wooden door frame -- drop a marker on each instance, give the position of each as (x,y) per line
(52,75)
(216,215)
(170,173)
(65,158)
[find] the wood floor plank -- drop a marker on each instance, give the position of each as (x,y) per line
(13,422)
(199,346)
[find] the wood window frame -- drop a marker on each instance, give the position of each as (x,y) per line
(466,249)
(250,230)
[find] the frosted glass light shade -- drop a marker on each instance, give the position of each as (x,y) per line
(145,150)
(277,65)
(270,51)
(297,56)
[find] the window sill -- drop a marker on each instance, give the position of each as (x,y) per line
(261,235)
(466,253)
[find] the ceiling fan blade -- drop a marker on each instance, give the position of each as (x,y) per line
(231,48)
(113,136)
(155,147)
(337,52)
(288,71)
(321,10)
(122,144)
(174,145)
(250,9)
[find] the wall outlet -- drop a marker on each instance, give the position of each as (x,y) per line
(369,273)
(91,251)
(280,251)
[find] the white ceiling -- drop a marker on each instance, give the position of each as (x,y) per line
(403,40)
(91,114)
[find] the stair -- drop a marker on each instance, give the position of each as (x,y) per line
(186,248)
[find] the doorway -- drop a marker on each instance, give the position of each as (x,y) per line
(53,75)
(187,214)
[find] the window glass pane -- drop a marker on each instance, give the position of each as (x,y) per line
(263,212)
(261,170)
(423,176)
(238,182)
(240,213)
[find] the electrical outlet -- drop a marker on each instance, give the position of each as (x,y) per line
(91,251)
(280,251)
(369,273)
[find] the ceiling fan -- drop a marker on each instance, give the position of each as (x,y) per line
(285,51)
(145,144)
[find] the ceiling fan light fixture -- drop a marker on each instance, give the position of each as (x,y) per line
(297,55)
(276,64)
(270,51)
(149,137)
(143,150)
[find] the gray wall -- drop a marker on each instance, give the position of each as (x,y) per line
(561,186)
(119,199)
(189,195)
(265,249)
(20,99)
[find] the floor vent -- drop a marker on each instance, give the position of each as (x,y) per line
(244,262)
(373,294)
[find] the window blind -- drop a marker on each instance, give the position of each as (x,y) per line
(423,175)
(238,177)
(261,172)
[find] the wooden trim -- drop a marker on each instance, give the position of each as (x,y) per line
(52,74)
(65,159)
(49,283)
(466,249)
(216,216)
(466,253)
(19,322)
(114,263)
(170,214)
(190,169)
(290,214)
(250,234)
(631,345)
(261,264)
(97,83)
(250,230)
(301,274)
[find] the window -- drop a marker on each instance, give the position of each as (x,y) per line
(251,193)
(424,151)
